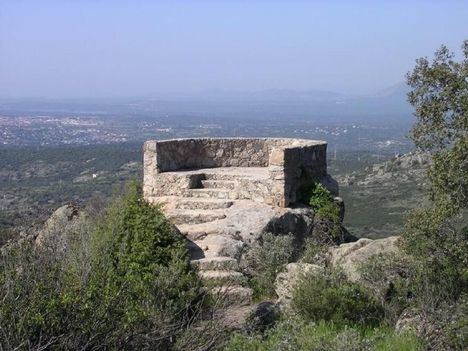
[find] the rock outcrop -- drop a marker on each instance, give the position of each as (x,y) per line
(400,168)
(225,193)
(63,222)
(349,257)
(217,236)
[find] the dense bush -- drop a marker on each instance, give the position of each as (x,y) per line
(389,277)
(330,297)
(314,251)
(264,260)
(440,248)
(295,334)
(123,283)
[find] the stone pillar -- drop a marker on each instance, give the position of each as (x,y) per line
(276,171)
(150,169)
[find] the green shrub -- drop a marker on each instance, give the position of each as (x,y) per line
(141,274)
(314,251)
(330,297)
(41,293)
(321,200)
(327,227)
(389,277)
(125,284)
(264,260)
(440,248)
(295,334)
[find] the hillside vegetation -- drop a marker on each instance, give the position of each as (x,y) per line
(120,282)
(117,275)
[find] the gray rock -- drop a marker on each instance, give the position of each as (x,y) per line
(65,222)
(350,256)
(248,221)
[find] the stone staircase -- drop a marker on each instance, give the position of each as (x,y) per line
(196,214)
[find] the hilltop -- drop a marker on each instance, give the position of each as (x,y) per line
(380,195)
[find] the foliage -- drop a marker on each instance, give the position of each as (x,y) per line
(440,98)
(131,287)
(328,221)
(321,200)
(435,235)
(137,254)
(264,260)
(441,252)
(388,277)
(330,297)
(315,251)
(447,327)
(295,334)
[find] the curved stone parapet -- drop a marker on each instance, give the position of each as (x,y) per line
(171,167)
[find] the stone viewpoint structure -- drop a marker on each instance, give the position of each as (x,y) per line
(224,193)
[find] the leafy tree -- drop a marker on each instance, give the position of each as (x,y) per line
(435,235)
(440,98)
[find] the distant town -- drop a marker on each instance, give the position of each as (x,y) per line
(68,129)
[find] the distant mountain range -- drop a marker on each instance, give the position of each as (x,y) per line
(396,91)
(386,106)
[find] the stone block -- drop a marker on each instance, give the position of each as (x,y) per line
(276,157)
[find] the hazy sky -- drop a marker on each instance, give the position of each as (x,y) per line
(118,48)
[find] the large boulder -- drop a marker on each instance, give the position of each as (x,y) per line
(244,225)
(287,280)
(65,222)
(350,257)
(247,221)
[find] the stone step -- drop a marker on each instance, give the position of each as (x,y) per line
(210,194)
(221,176)
(194,216)
(233,294)
(219,278)
(198,231)
(202,204)
(210,245)
(215,263)
(218,184)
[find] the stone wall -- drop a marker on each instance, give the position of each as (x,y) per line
(173,155)
(287,163)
